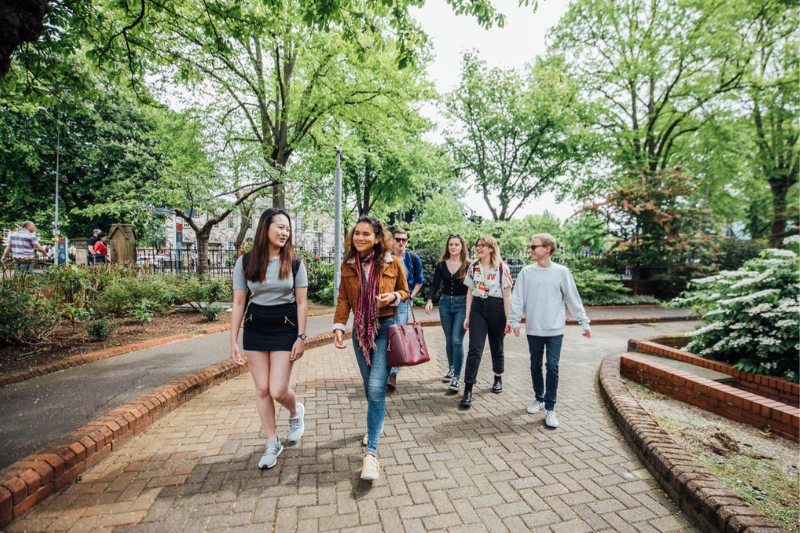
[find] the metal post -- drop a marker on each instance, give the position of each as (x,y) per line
(337,226)
(58,152)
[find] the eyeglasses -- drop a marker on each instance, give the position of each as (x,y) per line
(479,245)
(400,239)
(535,246)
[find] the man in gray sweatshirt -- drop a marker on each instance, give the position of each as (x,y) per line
(539,294)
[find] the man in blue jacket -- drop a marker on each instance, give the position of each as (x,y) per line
(412,265)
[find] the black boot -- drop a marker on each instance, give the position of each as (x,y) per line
(497,388)
(466,400)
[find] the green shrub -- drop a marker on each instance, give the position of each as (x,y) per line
(320,280)
(124,294)
(100,329)
(75,314)
(751,314)
(26,316)
(211,312)
(142,311)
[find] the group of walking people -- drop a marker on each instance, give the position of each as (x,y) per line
(379,278)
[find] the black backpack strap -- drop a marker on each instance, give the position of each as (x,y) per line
(295,269)
(244,265)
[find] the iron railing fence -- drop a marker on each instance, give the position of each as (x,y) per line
(219,263)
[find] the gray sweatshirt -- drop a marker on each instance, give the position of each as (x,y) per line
(539,295)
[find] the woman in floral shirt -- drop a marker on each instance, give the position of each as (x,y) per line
(488,304)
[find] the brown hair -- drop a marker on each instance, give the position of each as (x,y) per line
(258,258)
(382,240)
(399,230)
(462,270)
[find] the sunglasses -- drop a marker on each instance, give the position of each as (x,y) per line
(454,235)
(535,246)
(400,239)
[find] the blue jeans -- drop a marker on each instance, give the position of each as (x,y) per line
(545,391)
(375,377)
(452,312)
(403,316)
(25,267)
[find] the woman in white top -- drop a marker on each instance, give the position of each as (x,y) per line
(269,293)
(488,305)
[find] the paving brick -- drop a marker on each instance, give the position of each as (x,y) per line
(492,468)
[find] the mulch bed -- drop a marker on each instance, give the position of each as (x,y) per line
(69,340)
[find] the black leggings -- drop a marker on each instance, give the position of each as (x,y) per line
(487,317)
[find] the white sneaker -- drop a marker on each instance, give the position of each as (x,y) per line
(535,407)
(270,457)
(297,425)
(551,419)
(369,469)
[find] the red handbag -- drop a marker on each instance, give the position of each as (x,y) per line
(406,344)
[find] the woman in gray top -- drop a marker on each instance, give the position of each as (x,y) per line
(269,293)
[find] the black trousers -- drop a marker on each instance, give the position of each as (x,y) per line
(487,318)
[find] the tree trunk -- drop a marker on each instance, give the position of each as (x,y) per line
(245,221)
(203,237)
(778,187)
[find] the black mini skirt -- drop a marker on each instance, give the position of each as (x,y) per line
(270,328)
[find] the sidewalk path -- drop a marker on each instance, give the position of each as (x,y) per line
(41,410)
(492,468)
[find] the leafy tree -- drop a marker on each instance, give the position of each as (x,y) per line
(773,97)
(516,134)
(658,225)
(107,155)
(657,68)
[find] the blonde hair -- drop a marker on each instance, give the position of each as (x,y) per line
(494,257)
(547,240)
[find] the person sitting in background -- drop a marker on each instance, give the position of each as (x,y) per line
(90,245)
(100,249)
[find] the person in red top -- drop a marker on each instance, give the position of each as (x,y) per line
(100,249)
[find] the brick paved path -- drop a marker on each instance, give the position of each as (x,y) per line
(491,468)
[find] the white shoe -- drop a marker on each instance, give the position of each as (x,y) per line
(535,407)
(270,457)
(551,419)
(369,469)
(297,425)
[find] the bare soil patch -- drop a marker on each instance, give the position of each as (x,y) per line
(70,340)
(756,465)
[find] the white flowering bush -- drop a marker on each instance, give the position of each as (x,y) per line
(751,314)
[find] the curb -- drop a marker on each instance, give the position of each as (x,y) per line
(29,481)
(705,500)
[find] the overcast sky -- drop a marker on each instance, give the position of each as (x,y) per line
(519,42)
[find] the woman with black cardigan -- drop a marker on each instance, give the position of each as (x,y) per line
(450,272)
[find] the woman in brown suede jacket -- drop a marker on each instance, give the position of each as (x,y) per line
(373,284)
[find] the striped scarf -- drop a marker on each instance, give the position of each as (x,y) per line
(365,321)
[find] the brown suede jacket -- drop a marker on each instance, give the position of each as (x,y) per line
(393,279)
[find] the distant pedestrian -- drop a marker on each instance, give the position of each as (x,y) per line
(90,245)
(100,249)
(488,302)
(22,245)
(450,272)
(275,316)
(412,266)
(372,285)
(541,291)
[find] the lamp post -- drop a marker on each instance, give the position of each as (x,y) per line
(58,154)
(337,225)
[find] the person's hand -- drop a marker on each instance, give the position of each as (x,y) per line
(297,350)
(386,299)
(507,331)
(516,332)
(466,324)
(428,307)
(2,260)
(338,339)
(587,333)
(236,356)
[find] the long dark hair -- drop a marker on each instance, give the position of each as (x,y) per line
(462,270)
(382,240)
(257,261)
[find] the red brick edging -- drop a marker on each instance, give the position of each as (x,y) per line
(708,503)
(29,481)
(724,400)
(771,387)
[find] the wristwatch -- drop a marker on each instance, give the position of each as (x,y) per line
(302,336)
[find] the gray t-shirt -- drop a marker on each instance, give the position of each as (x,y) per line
(273,291)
